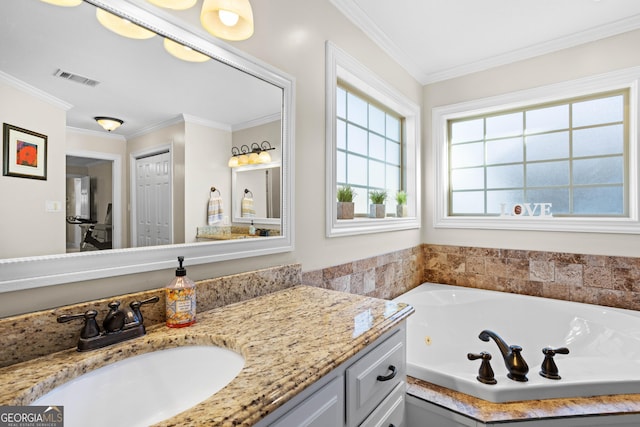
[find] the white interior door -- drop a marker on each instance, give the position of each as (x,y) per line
(153,200)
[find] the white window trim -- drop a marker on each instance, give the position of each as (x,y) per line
(622,79)
(343,66)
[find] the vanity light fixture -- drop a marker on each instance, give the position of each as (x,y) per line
(174,4)
(64,3)
(108,123)
(122,26)
(227,19)
(257,154)
(183,52)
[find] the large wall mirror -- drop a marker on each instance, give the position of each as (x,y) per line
(60,68)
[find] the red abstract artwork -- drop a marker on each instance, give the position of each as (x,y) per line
(26,154)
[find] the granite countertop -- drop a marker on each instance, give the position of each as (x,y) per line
(228,236)
(289,340)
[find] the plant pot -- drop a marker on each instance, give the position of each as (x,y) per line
(345,210)
(377,211)
(402,211)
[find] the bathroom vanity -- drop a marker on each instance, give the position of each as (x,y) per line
(311,355)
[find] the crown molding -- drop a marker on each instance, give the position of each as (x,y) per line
(33,91)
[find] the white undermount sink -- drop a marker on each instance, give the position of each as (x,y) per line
(145,389)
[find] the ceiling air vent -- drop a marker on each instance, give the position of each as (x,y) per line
(76,78)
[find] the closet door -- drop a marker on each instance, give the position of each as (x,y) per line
(153,200)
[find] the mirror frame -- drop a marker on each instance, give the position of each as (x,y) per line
(234,194)
(39,271)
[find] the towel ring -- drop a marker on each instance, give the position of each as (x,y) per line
(246,190)
(214,190)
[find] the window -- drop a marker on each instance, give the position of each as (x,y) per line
(373,135)
(562,157)
(369,148)
(570,155)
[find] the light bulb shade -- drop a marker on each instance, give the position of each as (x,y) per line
(65,3)
(243,160)
(122,26)
(265,157)
(183,52)
(109,123)
(210,19)
(174,4)
(254,158)
(233,162)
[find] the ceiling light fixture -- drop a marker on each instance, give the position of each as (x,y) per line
(122,26)
(64,3)
(257,154)
(227,19)
(183,52)
(108,123)
(174,4)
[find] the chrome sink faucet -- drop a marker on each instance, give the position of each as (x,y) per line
(513,360)
(118,325)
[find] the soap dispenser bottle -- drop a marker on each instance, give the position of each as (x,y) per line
(252,229)
(180,297)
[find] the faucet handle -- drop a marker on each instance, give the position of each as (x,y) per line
(114,320)
(485,373)
(549,369)
(90,329)
(134,315)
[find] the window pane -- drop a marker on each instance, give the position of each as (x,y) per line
(505,176)
(376,120)
(393,180)
(357,140)
(597,111)
(341,135)
(547,119)
(467,179)
(341,167)
(496,198)
(598,141)
(376,146)
(505,125)
(376,174)
(467,155)
(599,200)
(341,103)
(468,202)
(467,131)
(548,146)
(361,201)
(608,170)
(548,174)
(393,128)
(393,152)
(505,151)
(559,199)
(356,170)
(356,110)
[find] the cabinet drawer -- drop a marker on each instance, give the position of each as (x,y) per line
(391,410)
(373,377)
(324,408)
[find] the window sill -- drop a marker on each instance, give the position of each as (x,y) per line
(362,225)
(576,225)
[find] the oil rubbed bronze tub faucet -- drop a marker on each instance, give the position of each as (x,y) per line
(118,325)
(513,360)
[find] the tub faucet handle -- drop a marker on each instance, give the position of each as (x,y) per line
(485,373)
(549,369)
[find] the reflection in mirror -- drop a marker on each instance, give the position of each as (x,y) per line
(256,194)
(60,69)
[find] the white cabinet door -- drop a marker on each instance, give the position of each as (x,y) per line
(324,408)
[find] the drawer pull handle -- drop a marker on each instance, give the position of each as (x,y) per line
(390,376)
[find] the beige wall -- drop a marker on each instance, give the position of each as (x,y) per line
(20,228)
(610,54)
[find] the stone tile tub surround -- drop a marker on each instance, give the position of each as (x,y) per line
(36,334)
(594,279)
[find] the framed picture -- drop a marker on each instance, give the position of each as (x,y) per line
(25,153)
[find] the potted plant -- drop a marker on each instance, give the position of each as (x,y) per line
(377,207)
(345,202)
(401,208)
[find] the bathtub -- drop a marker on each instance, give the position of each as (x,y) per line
(604,343)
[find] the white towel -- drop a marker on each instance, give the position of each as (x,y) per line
(247,208)
(215,211)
